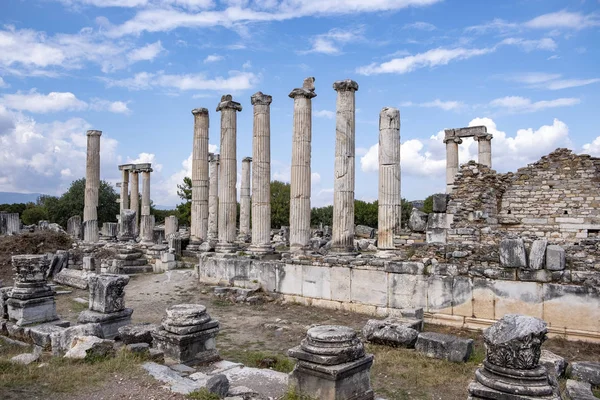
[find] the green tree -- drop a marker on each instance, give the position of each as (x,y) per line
(406,210)
(280,204)
(321,215)
(33,215)
(428,205)
(15,207)
(184,210)
(366,213)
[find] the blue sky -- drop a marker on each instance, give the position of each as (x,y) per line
(527,69)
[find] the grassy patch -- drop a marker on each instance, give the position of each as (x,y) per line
(260,359)
(596,392)
(221,303)
(77,307)
(203,394)
(292,394)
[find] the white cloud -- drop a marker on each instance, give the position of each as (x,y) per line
(3,84)
(550,81)
(236,81)
(569,83)
(437,103)
(146,158)
(315,178)
(419,25)
(106,3)
(146,53)
(564,19)
(530,45)
(324,114)
(522,104)
(431,58)
(35,102)
(332,41)
(213,58)
(592,148)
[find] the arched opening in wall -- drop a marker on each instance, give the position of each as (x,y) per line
(509,212)
(565,212)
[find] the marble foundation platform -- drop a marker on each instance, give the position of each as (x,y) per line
(332,365)
(187,335)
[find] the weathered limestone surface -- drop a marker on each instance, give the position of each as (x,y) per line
(537,254)
(586,371)
(107,292)
(74,226)
(137,333)
(390,332)
(199,216)
(213,197)
(484,149)
(124,199)
(10,223)
(228,175)
(261,174)
(145,169)
(134,203)
(244,235)
(92,186)
(445,347)
(344,167)
(417,221)
(171,225)
(513,254)
(300,181)
(555,258)
(127,226)
(389,212)
(451,161)
(332,365)
(440,202)
(147,229)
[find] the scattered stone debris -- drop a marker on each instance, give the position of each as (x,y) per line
(445,347)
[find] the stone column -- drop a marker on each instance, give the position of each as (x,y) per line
(451,160)
(300,179)
(261,174)
(146,223)
(213,197)
(245,201)
(484,149)
(227,188)
(390,207)
(171,226)
(134,203)
(92,186)
(343,185)
(199,216)
(124,187)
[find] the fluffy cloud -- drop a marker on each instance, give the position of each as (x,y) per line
(236,81)
(212,58)
(146,53)
(592,148)
(522,104)
(2,83)
(35,102)
(549,81)
(324,114)
(419,25)
(437,103)
(551,21)
(332,41)
(530,45)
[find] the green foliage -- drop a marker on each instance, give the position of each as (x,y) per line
(293,394)
(34,214)
(428,205)
(259,359)
(184,210)
(202,394)
(366,213)
(321,215)
(406,210)
(280,204)
(15,207)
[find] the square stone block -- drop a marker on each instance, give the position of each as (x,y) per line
(369,287)
(290,279)
(340,283)
(407,291)
(110,322)
(316,282)
(107,292)
(195,348)
(32,311)
(518,298)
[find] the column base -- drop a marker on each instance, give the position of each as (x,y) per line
(226,248)
(109,322)
(261,249)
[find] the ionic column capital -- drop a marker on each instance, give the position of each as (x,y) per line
(228,103)
(487,137)
(200,111)
(247,159)
(456,140)
(307,90)
(345,85)
(261,99)
(94,133)
(389,118)
(212,157)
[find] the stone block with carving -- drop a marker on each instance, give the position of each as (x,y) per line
(512,253)
(107,292)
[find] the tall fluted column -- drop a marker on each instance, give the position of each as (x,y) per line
(92,187)
(213,197)
(199,215)
(261,174)
(390,206)
(124,204)
(245,201)
(451,161)
(227,188)
(134,203)
(484,149)
(342,234)
(146,220)
(301,153)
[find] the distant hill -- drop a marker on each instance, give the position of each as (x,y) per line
(159,207)
(418,204)
(11,197)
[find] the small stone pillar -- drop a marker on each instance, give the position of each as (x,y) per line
(187,335)
(147,229)
(134,203)
(124,200)
(390,198)
(174,241)
(127,226)
(300,181)
(261,174)
(146,220)
(452,143)
(74,226)
(199,214)
(31,300)
(484,149)
(10,223)
(92,187)
(245,201)
(228,175)
(213,201)
(107,304)
(511,369)
(343,185)
(171,225)
(110,230)
(332,365)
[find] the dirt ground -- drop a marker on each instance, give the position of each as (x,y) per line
(272,328)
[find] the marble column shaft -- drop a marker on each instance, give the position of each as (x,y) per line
(228,174)
(245,200)
(92,187)
(451,161)
(300,169)
(213,196)
(484,150)
(390,198)
(124,189)
(344,167)
(134,203)
(261,174)
(146,192)
(199,214)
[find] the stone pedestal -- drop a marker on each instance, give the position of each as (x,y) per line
(228,175)
(92,186)
(74,227)
(245,202)
(171,225)
(110,230)
(199,212)
(300,182)
(127,226)
(31,300)
(187,335)
(124,199)
(511,370)
(332,365)
(390,198)
(10,223)
(107,304)
(147,229)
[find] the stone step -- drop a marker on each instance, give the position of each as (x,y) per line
(246,283)
(135,263)
(136,269)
